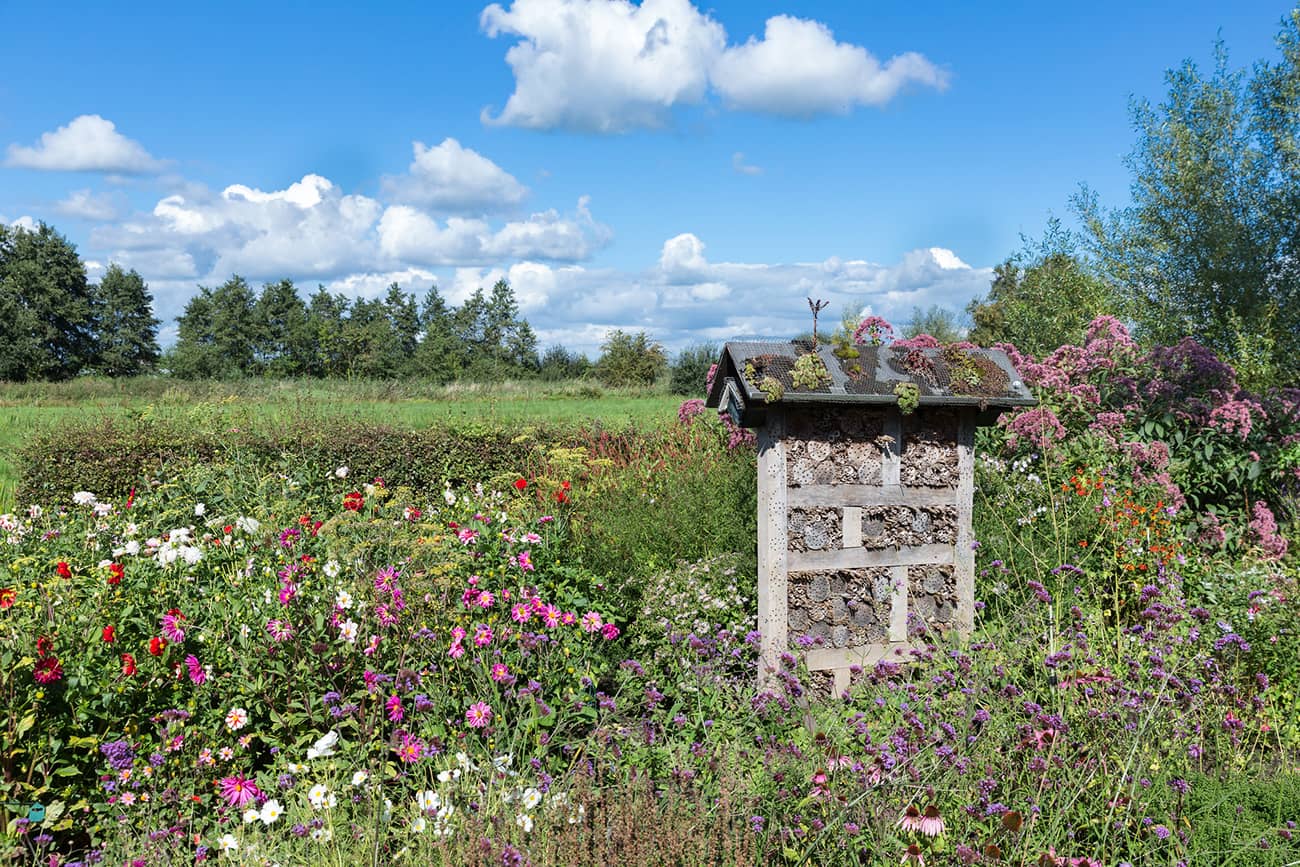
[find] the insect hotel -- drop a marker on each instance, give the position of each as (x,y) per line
(865,484)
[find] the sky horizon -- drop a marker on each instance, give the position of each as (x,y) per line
(693,171)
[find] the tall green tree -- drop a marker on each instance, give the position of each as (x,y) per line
(439,356)
(217,333)
(48,310)
(1042,297)
(127,336)
(1208,247)
(326,317)
(285,345)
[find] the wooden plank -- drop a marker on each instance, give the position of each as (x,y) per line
(862,558)
(964,551)
(851,527)
(773,541)
(891,461)
(898,603)
(865,656)
(832,496)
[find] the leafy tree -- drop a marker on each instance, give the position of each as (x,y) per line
(285,342)
(1208,247)
(127,337)
(937,321)
(559,364)
(1042,297)
(48,310)
(691,368)
(630,359)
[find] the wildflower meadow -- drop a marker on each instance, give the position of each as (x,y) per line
(284,662)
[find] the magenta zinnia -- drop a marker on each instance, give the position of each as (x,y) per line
(478,715)
(238,790)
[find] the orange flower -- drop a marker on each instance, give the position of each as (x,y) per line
(8,596)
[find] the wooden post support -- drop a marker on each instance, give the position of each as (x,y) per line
(773,541)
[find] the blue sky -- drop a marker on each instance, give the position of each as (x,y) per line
(692,170)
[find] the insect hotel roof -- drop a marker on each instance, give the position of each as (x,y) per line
(948,377)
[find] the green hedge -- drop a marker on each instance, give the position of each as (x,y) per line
(110,457)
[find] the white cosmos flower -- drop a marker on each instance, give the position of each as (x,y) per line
(449,497)
(525,821)
(332,569)
(341,473)
(200,509)
(248,525)
(251,815)
(342,599)
(83,498)
(271,811)
(418,825)
(360,777)
(427,800)
(227,843)
(322,835)
(320,796)
(532,797)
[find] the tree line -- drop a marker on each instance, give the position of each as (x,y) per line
(55,324)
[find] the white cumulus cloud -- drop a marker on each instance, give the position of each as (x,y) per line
(608,66)
(452,177)
(799,69)
(88,144)
(603,65)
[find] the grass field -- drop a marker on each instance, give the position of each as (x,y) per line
(25,408)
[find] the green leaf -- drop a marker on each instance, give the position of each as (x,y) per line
(24,724)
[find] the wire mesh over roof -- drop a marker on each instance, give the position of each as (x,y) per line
(949,376)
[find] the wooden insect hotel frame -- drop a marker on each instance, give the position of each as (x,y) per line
(865,488)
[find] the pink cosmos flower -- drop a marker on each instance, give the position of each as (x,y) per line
(525,562)
(467,536)
(371,646)
(456,651)
(238,790)
(500,672)
(521,612)
(483,635)
(551,616)
(568,618)
(591,622)
(457,634)
(485,599)
(478,715)
(394,708)
(609,631)
(197,674)
(288,590)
